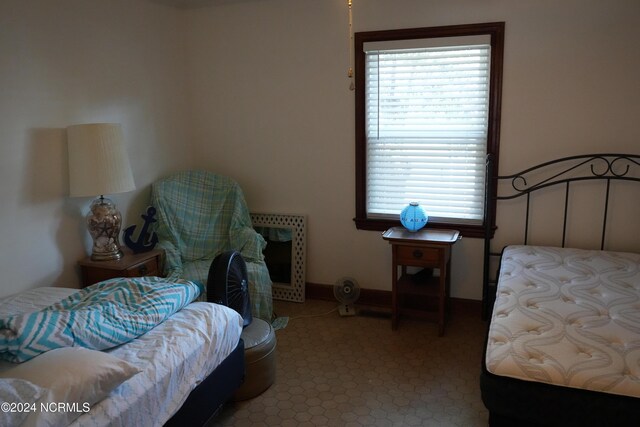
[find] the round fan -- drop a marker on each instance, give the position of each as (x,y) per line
(228,284)
(346,290)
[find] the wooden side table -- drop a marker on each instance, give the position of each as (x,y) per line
(426,248)
(130,265)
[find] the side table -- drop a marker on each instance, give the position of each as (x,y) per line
(130,265)
(426,248)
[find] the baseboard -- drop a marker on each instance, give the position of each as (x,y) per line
(378,298)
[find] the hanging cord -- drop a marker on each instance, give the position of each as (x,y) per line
(350,72)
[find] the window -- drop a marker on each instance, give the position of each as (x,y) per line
(427,114)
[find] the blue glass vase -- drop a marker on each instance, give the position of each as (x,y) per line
(413,217)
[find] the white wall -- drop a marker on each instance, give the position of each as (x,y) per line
(257,89)
(66,62)
(272,109)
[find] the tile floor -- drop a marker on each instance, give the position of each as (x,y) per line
(356,371)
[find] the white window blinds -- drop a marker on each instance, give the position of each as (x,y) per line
(426,115)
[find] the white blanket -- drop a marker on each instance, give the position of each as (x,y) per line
(175,357)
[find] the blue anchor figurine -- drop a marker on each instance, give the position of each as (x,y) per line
(144,243)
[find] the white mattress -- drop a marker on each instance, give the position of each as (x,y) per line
(568,317)
(175,357)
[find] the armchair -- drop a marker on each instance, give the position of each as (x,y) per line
(200,215)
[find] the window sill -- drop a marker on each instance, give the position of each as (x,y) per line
(466,230)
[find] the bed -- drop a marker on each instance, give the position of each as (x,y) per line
(178,373)
(563,340)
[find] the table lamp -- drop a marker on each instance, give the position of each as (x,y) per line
(98,165)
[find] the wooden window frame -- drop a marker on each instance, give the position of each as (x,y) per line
(496,32)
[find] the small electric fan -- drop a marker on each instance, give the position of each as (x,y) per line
(346,291)
(228,284)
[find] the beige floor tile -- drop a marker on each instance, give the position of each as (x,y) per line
(356,371)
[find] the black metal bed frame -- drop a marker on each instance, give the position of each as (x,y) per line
(563,171)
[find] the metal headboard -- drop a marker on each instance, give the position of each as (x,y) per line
(564,171)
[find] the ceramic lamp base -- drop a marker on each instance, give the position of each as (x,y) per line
(104,222)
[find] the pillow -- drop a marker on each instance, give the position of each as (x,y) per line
(75,376)
(17,391)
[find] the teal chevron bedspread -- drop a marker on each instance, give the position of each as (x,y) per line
(99,317)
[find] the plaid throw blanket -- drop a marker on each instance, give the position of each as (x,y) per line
(201,215)
(99,317)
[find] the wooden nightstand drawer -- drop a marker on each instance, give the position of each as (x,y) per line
(147,268)
(131,265)
(418,256)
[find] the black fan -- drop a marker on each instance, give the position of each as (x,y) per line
(228,284)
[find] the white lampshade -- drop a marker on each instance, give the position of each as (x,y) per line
(98,165)
(98,161)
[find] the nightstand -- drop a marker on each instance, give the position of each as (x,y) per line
(429,249)
(130,265)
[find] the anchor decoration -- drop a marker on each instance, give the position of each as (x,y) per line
(145,241)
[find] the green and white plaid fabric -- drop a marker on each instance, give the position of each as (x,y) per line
(201,215)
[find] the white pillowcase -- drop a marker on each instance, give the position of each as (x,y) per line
(70,375)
